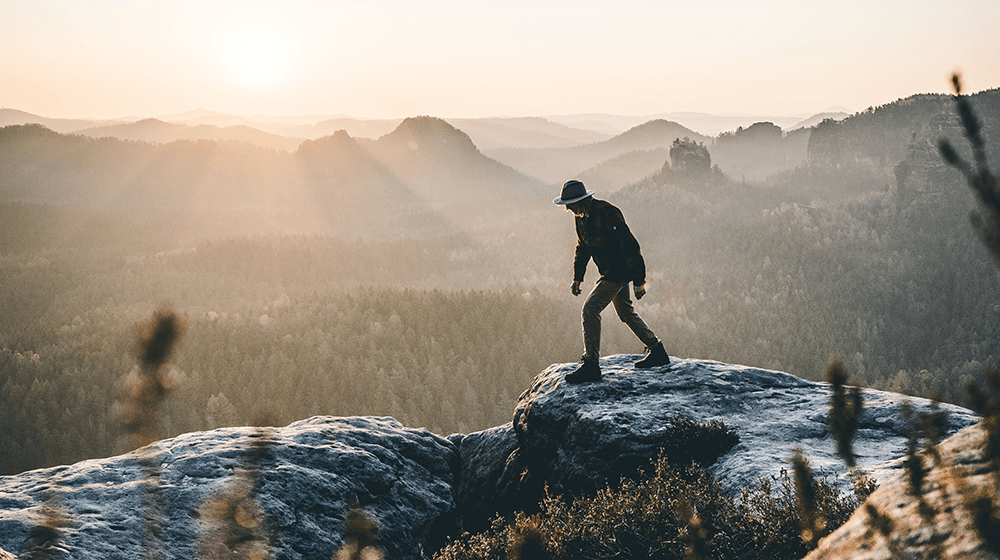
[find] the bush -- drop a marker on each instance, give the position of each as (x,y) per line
(691,442)
(675,513)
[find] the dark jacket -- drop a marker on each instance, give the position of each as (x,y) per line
(603,235)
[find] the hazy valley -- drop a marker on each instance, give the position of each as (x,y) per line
(418,268)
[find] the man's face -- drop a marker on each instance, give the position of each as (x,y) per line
(578,208)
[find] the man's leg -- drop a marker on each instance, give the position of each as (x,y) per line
(599,298)
(626,312)
(602,294)
(656,354)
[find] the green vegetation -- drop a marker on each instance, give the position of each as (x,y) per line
(445,333)
(902,291)
(831,258)
(946,484)
(841,256)
(844,255)
(984,398)
(260,326)
(671,513)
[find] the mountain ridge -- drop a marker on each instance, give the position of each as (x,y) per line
(10,117)
(429,152)
(555,165)
(368,188)
(161,132)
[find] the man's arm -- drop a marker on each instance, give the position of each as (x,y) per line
(629,247)
(640,290)
(581,257)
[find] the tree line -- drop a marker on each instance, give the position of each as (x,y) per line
(446,331)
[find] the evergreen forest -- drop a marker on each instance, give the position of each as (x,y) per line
(457,294)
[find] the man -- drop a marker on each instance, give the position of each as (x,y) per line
(602,235)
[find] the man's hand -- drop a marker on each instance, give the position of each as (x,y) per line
(640,290)
(576,288)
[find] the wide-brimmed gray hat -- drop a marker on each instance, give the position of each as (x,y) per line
(573,191)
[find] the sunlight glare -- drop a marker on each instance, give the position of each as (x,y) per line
(256,59)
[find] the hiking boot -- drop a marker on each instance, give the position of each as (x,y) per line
(588,371)
(654,358)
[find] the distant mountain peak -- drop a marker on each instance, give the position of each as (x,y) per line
(659,128)
(28,130)
(818,118)
(422,132)
(655,123)
(342,135)
(150,123)
(196,114)
(339,140)
(7,112)
(424,125)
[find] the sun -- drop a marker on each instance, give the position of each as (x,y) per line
(256,59)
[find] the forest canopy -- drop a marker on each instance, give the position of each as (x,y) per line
(443,321)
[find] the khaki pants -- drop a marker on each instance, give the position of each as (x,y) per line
(606,292)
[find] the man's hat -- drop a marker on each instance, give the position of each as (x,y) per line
(573,191)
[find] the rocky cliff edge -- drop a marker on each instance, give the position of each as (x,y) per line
(288,490)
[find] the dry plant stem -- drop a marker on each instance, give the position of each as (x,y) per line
(237,525)
(155,342)
(152,500)
(360,533)
(884,526)
(982,503)
(983,182)
(43,541)
(844,412)
(695,537)
(813,524)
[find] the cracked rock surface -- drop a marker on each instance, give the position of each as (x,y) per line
(286,489)
(574,436)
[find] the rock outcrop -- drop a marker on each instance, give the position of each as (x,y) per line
(289,489)
(574,437)
(922,176)
(303,478)
(760,150)
(879,138)
(896,523)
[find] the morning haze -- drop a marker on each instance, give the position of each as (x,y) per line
(395,59)
(418,276)
(391,247)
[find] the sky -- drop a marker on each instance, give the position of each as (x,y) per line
(471,58)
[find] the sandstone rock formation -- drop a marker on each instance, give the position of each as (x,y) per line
(577,436)
(895,523)
(288,490)
(307,473)
(923,176)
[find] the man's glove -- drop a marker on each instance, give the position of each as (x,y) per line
(576,288)
(640,290)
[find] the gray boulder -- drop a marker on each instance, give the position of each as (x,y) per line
(578,437)
(485,456)
(288,491)
(285,490)
(938,523)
